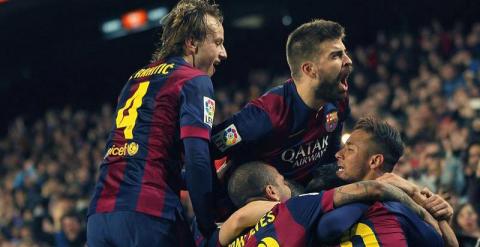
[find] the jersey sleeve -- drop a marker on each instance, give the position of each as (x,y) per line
(420,233)
(308,208)
(333,224)
(197,108)
(244,128)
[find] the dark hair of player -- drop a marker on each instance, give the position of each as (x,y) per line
(185,21)
(384,139)
(249,181)
(304,42)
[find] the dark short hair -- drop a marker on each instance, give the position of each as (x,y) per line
(186,20)
(249,181)
(304,42)
(385,139)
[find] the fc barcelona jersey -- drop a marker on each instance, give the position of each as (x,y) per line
(159,106)
(281,130)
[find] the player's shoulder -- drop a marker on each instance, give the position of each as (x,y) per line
(399,208)
(275,100)
(305,198)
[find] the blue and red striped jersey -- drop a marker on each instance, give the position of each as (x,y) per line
(386,224)
(280,129)
(289,223)
(160,105)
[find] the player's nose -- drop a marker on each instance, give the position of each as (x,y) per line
(338,154)
(223,53)
(347,61)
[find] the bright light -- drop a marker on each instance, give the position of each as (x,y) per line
(135,19)
(286,20)
(157,14)
(111,26)
(345,137)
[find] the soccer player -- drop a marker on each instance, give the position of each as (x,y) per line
(296,126)
(292,221)
(372,150)
(164,108)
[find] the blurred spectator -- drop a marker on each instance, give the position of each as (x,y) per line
(465,225)
(425,83)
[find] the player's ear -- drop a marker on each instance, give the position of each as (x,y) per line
(308,69)
(271,193)
(376,161)
(191,46)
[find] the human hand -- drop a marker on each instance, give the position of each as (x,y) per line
(437,205)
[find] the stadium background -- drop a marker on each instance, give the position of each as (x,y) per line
(417,64)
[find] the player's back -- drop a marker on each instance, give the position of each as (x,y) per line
(289,223)
(142,163)
(391,224)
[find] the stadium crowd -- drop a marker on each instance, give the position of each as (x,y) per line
(425,83)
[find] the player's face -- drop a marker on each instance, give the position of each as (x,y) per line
(474,155)
(332,66)
(353,157)
(211,51)
(281,186)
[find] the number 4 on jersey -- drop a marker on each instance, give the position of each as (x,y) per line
(132,104)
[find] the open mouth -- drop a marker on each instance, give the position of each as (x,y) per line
(344,79)
(340,168)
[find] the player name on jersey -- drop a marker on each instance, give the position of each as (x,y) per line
(163,69)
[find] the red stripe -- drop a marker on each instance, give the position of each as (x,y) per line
(275,107)
(294,234)
(116,169)
(386,226)
(151,199)
(327,200)
(106,202)
(191,131)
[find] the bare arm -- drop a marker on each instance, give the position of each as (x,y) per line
(435,204)
(378,191)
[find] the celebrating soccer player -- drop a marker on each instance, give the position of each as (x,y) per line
(164,108)
(295,127)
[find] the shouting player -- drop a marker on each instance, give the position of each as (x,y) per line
(297,126)
(164,108)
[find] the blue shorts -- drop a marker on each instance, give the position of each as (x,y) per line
(128,228)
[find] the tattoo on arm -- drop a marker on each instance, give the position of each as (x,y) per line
(374,191)
(356,192)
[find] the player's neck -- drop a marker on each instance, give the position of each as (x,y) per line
(372,175)
(307,95)
(189,59)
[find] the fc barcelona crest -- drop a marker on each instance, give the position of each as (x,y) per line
(331,121)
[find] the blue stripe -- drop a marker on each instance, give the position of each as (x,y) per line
(98,189)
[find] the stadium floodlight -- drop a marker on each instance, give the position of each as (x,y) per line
(132,22)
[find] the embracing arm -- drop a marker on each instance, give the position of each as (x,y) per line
(378,191)
(243,218)
(435,204)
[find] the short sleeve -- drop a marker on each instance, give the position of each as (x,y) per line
(197,108)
